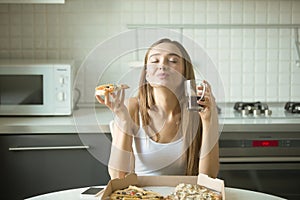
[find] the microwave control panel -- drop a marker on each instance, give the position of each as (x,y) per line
(63,86)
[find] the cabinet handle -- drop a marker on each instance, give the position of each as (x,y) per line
(47,148)
(258,159)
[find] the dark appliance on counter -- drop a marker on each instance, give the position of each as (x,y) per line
(254,108)
(260,147)
(292,107)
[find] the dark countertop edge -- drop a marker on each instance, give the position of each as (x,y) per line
(48,129)
(284,127)
(68,129)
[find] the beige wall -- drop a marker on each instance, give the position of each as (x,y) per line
(254,64)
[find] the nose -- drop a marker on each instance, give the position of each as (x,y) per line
(163,64)
(162,67)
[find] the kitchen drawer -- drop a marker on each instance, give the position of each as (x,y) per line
(42,163)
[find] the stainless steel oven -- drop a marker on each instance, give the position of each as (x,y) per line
(261,153)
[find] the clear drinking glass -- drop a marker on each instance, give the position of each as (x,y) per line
(190,87)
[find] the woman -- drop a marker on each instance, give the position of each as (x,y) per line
(155,134)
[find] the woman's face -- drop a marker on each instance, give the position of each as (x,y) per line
(165,66)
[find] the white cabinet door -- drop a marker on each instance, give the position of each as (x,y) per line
(33,1)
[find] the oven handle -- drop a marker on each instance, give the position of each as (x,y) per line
(258,159)
(47,148)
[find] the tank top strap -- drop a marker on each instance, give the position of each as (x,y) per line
(141,132)
(140,119)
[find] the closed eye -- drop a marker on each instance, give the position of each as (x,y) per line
(173,59)
(153,59)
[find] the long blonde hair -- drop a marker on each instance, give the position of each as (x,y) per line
(146,101)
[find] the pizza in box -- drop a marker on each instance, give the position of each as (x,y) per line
(181,192)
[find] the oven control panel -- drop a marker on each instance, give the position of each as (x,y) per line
(259,143)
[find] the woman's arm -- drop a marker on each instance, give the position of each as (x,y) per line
(124,128)
(209,155)
(120,162)
(121,158)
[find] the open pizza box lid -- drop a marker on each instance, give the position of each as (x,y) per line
(172,181)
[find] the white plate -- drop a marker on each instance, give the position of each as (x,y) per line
(163,190)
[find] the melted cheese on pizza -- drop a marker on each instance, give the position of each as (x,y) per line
(188,191)
(134,192)
(102,89)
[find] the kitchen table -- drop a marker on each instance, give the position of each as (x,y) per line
(230,194)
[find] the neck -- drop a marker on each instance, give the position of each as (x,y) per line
(166,101)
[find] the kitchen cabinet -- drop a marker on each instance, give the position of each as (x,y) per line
(33,1)
(33,164)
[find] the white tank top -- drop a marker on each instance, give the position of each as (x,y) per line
(153,158)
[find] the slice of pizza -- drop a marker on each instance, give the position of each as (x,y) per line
(134,192)
(107,88)
(189,191)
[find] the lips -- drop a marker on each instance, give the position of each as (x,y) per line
(162,75)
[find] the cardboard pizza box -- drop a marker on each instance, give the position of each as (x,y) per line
(212,183)
(172,181)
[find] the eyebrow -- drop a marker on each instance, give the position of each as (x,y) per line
(170,54)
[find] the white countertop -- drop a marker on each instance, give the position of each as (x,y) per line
(230,194)
(85,119)
(96,120)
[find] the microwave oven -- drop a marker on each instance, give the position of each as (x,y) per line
(35,88)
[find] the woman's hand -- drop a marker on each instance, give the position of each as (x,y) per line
(116,105)
(209,104)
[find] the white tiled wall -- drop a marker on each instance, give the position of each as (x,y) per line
(254,64)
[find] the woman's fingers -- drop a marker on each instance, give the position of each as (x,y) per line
(117,98)
(120,97)
(106,98)
(124,86)
(208,98)
(99,99)
(123,95)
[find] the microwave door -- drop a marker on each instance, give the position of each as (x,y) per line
(21,90)
(26,94)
